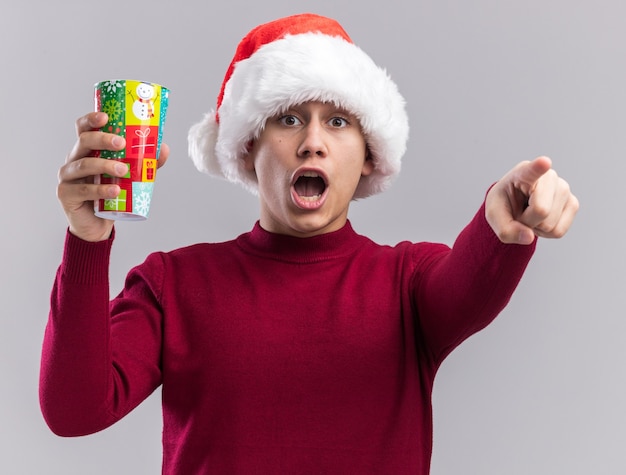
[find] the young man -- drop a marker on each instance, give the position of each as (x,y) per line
(301,346)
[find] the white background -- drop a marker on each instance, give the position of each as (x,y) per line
(488,83)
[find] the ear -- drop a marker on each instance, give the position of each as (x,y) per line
(248,158)
(368,164)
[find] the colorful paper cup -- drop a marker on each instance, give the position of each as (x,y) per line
(137,112)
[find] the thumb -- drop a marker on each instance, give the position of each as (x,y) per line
(515,232)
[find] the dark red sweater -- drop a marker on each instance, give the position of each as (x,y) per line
(277,355)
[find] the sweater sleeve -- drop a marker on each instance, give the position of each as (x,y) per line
(465,288)
(100,359)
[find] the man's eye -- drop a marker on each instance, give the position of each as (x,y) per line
(338,122)
(289,120)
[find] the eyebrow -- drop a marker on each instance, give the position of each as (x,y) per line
(297,109)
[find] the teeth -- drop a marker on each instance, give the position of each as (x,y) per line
(310,198)
(310,174)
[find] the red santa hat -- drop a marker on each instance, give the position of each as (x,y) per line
(288,62)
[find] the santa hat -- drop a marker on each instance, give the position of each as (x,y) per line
(288,62)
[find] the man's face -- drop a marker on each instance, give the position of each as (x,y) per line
(308,162)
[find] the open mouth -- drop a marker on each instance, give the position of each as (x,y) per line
(310,186)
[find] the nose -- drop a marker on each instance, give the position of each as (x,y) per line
(313,142)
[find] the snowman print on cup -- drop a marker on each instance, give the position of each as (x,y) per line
(143,107)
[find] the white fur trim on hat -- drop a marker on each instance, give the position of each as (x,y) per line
(293,70)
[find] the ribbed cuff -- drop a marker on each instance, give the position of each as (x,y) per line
(485,242)
(86,262)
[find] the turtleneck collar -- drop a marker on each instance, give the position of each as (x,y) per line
(336,244)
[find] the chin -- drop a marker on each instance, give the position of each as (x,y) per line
(306,226)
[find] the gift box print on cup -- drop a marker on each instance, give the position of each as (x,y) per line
(137,112)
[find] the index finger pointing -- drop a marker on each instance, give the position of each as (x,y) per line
(529,173)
